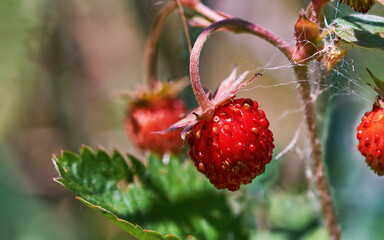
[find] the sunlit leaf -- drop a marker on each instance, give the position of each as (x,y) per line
(362,30)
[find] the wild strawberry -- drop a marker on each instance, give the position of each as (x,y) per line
(153,111)
(231,143)
(371,140)
(370,131)
(233,146)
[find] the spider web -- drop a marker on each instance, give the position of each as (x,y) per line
(342,80)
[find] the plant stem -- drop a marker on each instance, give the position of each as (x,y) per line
(208,13)
(179,4)
(236,25)
(315,10)
(198,90)
(151,47)
(324,194)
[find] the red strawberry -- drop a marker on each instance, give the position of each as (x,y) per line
(230,142)
(370,130)
(234,145)
(371,142)
(153,111)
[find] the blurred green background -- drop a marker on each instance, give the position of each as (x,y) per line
(64,64)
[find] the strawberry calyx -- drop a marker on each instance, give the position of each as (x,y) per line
(379,88)
(379,102)
(224,93)
(159,91)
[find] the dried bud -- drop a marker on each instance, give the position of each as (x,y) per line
(361,6)
(306,33)
(332,56)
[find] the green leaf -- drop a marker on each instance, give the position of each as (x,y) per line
(291,211)
(319,233)
(362,30)
(173,198)
(264,235)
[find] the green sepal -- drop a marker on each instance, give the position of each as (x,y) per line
(379,88)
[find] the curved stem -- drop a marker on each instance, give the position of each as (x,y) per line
(208,13)
(151,51)
(327,208)
(198,90)
(184,25)
(236,25)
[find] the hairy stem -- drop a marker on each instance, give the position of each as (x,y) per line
(327,208)
(311,34)
(198,90)
(236,25)
(151,51)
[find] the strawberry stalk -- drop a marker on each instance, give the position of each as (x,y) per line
(307,31)
(323,192)
(236,25)
(208,13)
(179,4)
(151,48)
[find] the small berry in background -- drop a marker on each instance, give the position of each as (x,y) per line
(151,111)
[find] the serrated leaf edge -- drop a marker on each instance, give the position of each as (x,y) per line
(55,160)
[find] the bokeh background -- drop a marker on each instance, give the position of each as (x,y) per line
(65,64)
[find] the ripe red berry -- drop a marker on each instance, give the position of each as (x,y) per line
(151,113)
(371,142)
(233,145)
